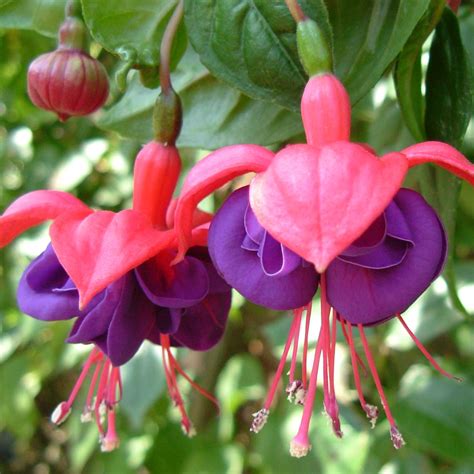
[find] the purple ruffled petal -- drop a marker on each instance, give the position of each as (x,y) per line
(253,228)
(131,324)
(242,268)
(388,254)
(190,283)
(370,239)
(95,319)
(276,259)
(202,325)
(367,296)
(45,290)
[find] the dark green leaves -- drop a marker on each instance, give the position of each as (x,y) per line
(448,84)
(252,44)
(43,16)
(132,30)
(215,115)
(408,75)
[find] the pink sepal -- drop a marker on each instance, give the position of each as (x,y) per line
(443,155)
(326,110)
(99,248)
(207,175)
(317,201)
(34,208)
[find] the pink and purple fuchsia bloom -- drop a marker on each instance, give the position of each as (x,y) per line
(112,273)
(332,213)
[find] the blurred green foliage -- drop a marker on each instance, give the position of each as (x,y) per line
(37,369)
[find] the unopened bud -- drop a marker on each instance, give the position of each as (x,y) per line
(68,82)
(60,413)
(314,49)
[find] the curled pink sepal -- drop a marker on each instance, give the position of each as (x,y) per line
(443,155)
(35,208)
(208,175)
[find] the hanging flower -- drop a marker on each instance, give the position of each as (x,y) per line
(338,206)
(113,273)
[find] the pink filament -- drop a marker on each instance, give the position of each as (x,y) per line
(425,352)
(305,344)
(297,315)
(375,376)
(281,366)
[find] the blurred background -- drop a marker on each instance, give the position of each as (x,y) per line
(37,369)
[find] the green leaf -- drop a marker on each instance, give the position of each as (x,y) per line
(434,414)
(448,110)
(215,115)
(140,389)
(251,44)
(448,84)
(368,36)
(133,30)
(407,74)
(43,16)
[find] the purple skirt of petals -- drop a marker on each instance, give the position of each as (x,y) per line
(368,285)
(253,262)
(123,315)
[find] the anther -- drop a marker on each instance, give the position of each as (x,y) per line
(259,420)
(60,413)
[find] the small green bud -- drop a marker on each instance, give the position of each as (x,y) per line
(167,117)
(314,48)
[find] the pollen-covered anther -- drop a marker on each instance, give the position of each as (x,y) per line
(188,429)
(296,392)
(60,413)
(372,413)
(86,415)
(108,443)
(298,449)
(397,438)
(259,419)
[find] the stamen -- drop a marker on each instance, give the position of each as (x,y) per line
(300,444)
(329,347)
(297,315)
(359,360)
(305,344)
(100,406)
(259,419)
(425,352)
(296,393)
(86,415)
(371,411)
(396,436)
(111,441)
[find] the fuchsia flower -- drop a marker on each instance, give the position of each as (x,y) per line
(335,207)
(112,272)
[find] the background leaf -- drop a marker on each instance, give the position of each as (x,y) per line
(251,44)
(43,16)
(430,420)
(448,110)
(408,74)
(215,114)
(133,29)
(256,49)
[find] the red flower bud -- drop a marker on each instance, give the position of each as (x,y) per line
(68,81)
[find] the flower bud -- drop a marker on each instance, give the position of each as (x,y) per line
(68,81)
